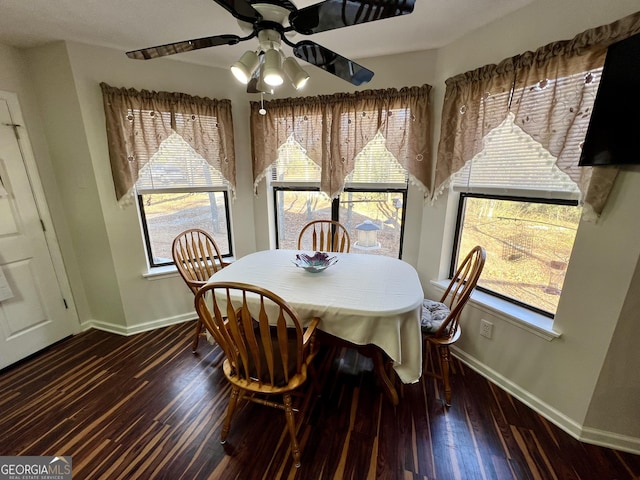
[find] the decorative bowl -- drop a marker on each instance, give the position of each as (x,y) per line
(315,263)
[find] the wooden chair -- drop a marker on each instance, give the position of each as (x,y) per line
(326,236)
(267,352)
(197,257)
(441,320)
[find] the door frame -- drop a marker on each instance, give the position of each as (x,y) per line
(42,206)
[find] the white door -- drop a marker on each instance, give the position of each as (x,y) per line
(34,311)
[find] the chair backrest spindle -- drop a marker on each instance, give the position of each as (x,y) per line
(460,288)
(262,338)
(196,256)
(326,236)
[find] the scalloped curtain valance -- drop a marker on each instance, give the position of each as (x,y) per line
(139,121)
(525,87)
(333,129)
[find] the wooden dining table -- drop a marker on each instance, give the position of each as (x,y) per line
(370,302)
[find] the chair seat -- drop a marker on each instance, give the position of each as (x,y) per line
(253,386)
(445,340)
(433,315)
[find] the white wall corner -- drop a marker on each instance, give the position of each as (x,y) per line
(569,425)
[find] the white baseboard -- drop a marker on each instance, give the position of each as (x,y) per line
(611,440)
(579,432)
(138,328)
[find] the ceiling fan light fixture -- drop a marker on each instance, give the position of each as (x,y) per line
(262,86)
(243,69)
(271,20)
(271,72)
(295,72)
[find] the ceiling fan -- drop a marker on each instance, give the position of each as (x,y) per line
(271,20)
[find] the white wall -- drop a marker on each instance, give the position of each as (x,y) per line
(616,390)
(67,140)
(559,378)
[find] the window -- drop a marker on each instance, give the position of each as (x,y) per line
(346,157)
(528,244)
(510,140)
(371,205)
(173,152)
(524,211)
(177,190)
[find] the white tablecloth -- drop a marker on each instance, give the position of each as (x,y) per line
(362,298)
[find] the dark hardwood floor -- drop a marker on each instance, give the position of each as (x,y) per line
(146,407)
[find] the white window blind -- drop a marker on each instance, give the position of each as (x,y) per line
(513,163)
(374,165)
(293,165)
(176,165)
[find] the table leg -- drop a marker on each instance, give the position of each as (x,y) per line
(371,351)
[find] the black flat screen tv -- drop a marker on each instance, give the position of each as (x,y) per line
(613,135)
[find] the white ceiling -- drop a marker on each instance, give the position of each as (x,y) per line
(133,24)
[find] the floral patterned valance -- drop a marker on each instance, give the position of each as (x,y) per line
(139,121)
(533,87)
(333,129)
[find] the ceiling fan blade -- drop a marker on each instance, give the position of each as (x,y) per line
(240,9)
(185,46)
(332,62)
(332,14)
(252,86)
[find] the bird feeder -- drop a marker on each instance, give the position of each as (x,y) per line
(367,233)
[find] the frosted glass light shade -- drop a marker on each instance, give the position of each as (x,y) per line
(244,68)
(295,73)
(271,69)
(262,86)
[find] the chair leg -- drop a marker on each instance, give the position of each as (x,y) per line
(379,366)
(194,347)
(233,401)
(444,365)
(291,424)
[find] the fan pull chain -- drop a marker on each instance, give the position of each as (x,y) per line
(262,111)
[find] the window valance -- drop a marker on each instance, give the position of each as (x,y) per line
(333,129)
(548,92)
(138,122)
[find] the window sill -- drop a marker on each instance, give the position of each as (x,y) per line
(514,314)
(158,273)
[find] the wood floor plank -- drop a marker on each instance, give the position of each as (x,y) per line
(145,407)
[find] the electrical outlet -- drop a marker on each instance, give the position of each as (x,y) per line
(486,328)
